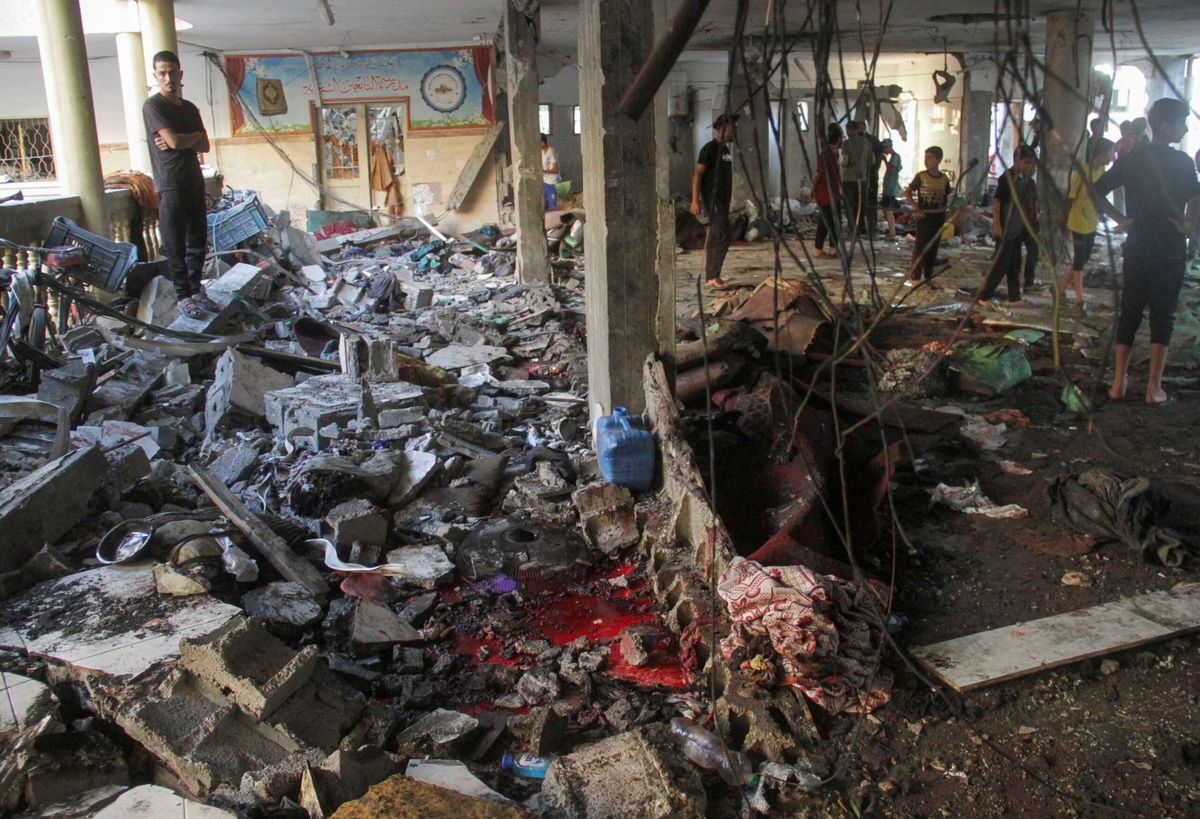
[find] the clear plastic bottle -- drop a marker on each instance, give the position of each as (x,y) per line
(707,750)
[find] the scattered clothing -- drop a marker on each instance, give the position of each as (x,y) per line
(1107,505)
(826,632)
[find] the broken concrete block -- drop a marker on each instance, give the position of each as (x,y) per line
(24,701)
(357,520)
(64,485)
(546,732)
(257,669)
(238,388)
(235,463)
(201,736)
(419,296)
(638,773)
(287,606)
(112,434)
(131,382)
(376,625)
(457,356)
(440,727)
(48,564)
(245,280)
(61,765)
(170,579)
(126,466)
(425,566)
(639,642)
(68,387)
(155,802)
(313,272)
(359,769)
(158,304)
(774,722)
(607,517)
(322,712)
(312,404)
(538,685)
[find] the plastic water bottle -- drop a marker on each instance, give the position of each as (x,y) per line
(526,765)
(707,750)
(626,452)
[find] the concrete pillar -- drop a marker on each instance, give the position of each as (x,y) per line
(1066,97)
(134,83)
(665,245)
(1171,81)
(620,187)
(752,136)
(520,67)
(158,29)
(979,88)
(72,115)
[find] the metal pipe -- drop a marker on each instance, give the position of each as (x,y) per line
(662,58)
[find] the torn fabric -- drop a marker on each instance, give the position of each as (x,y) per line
(825,630)
(1104,504)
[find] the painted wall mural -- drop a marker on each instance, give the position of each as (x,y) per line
(445,88)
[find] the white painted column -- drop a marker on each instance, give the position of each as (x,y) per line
(134,84)
(158,29)
(72,115)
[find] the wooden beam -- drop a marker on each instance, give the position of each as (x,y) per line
(470,171)
(270,545)
(1009,652)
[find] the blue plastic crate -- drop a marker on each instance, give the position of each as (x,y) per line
(107,261)
(228,227)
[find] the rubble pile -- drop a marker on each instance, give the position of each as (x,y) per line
(328,544)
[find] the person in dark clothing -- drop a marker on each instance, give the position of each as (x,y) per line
(176,137)
(712,188)
(929,196)
(1014,226)
(1162,195)
(827,188)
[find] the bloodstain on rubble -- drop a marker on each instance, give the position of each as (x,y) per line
(598,611)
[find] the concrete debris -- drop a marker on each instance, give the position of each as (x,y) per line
(154,802)
(239,385)
(65,485)
(171,579)
(424,566)
(23,702)
(356,521)
(606,515)
(288,607)
(257,669)
(637,773)
(376,625)
(401,797)
(441,727)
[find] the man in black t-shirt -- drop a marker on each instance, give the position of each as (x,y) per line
(712,187)
(176,136)
(1162,198)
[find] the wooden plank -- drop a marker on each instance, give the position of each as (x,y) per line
(270,545)
(1008,652)
(469,172)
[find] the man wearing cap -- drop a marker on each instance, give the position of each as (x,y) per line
(712,187)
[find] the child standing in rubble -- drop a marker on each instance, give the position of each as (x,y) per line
(1014,225)
(827,186)
(1082,219)
(928,195)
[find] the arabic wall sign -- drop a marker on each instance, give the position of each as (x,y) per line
(443,88)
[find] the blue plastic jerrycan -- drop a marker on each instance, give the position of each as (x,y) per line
(626,452)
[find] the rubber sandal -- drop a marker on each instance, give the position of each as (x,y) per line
(191,308)
(204,301)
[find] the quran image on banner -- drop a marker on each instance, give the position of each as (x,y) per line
(442,88)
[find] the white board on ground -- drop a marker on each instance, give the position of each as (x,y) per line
(1003,653)
(154,802)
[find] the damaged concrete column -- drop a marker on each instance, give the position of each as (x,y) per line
(521,22)
(1168,79)
(1066,98)
(665,256)
(620,193)
(979,87)
(72,115)
(158,29)
(134,84)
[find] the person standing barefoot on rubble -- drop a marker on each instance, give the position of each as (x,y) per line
(929,196)
(827,188)
(1163,197)
(712,187)
(176,135)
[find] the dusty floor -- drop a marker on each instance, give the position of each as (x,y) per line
(1094,738)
